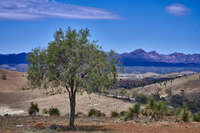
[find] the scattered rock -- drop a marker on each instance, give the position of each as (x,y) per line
(19,126)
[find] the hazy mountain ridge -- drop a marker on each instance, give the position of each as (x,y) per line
(138,57)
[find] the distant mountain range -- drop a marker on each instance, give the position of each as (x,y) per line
(138,57)
(153,56)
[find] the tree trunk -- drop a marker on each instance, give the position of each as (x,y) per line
(72,110)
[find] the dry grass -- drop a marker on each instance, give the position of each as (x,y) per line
(95,125)
(190,84)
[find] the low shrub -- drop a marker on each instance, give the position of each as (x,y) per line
(177,112)
(129,115)
(33,109)
(161,109)
(144,112)
(122,113)
(196,117)
(79,114)
(186,114)
(114,114)
(95,112)
(137,109)
(54,111)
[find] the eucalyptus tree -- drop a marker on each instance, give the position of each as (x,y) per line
(75,63)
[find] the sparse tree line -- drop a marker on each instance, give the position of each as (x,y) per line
(129,83)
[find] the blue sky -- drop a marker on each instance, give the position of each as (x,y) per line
(166,26)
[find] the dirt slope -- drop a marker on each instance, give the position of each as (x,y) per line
(11,95)
(190,84)
(14,82)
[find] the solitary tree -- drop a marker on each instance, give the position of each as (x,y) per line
(74,63)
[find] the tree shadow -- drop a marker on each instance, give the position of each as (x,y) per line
(85,128)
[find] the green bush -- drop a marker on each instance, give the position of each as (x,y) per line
(186,114)
(196,117)
(151,103)
(144,112)
(137,109)
(114,114)
(54,111)
(129,115)
(78,114)
(122,113)
(161,109)
(95,112)
(177,112)
(33,109)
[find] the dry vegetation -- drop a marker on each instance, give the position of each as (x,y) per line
(12,94)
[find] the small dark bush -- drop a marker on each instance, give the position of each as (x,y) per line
(196,117)
(114,114)
(122,113)
(54,111)
(129,115)
(33,109)
(95,112)
(78,114)
(140,98)
(4,77)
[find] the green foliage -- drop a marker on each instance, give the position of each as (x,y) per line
(137,109)
(186,114)
(196,117)
(114,114)
(54,111)
(79,114)
(151,103)
(161,109)
(178,112)
(73,62)
(129,115)
(144,112)
(157,109)
(96,113)
(122,113)
(33,109)
(71,59)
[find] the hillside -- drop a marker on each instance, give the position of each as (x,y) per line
(190,84)
(14,98)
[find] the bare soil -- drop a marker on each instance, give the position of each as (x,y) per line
(41,124)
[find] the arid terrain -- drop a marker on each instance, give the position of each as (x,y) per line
(15,100)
